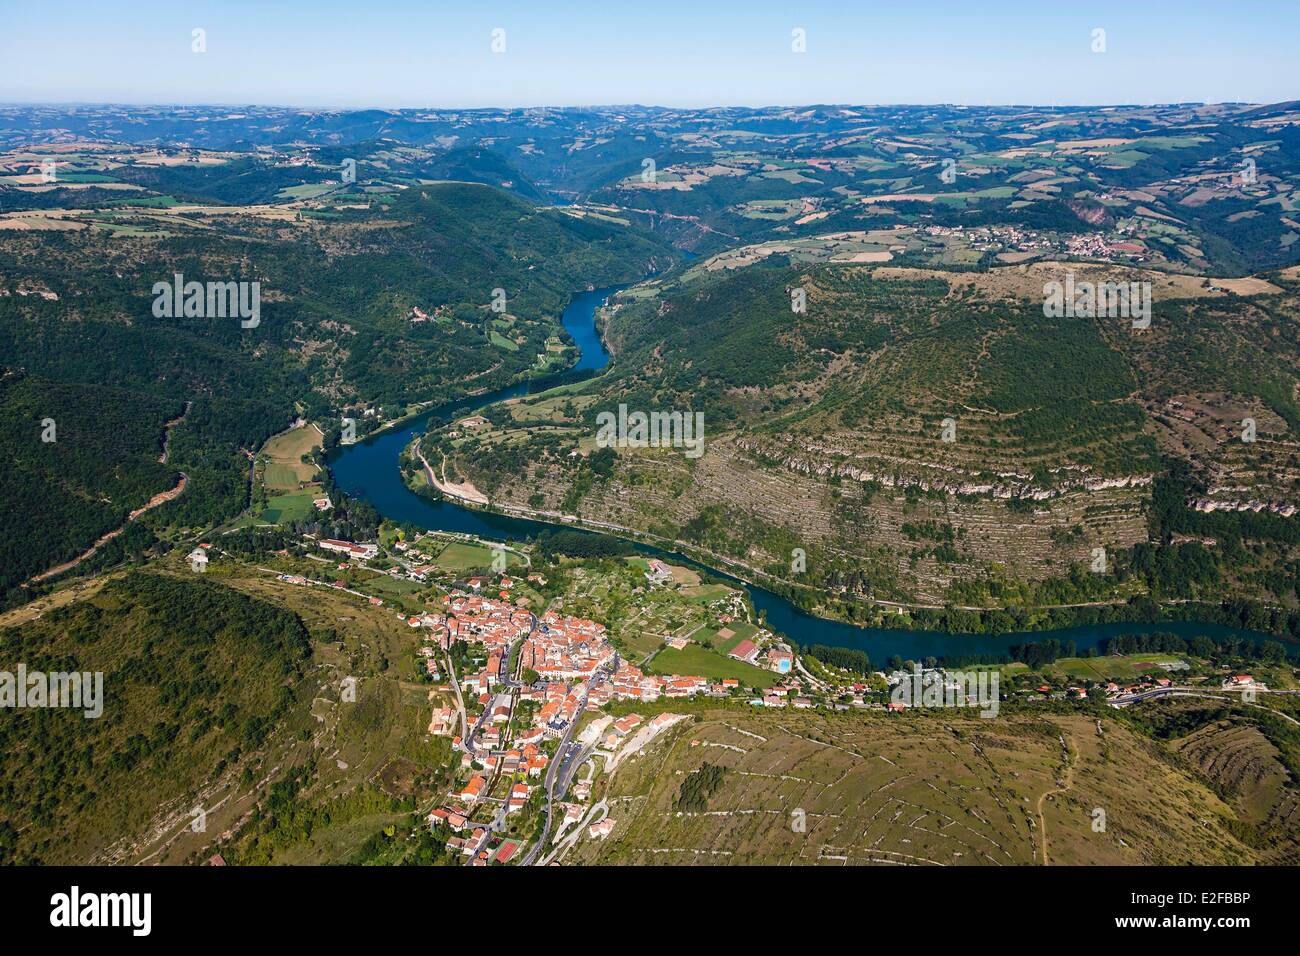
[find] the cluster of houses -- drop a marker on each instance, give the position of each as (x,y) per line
(471,840)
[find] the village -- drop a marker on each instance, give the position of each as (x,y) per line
(541,705)
(521,692)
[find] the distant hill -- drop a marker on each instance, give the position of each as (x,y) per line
(478,165)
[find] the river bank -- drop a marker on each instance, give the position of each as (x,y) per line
(371,469)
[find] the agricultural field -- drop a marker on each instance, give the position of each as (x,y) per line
(286,485)
(705,662)
(459,557)
(641,618)
(1120,667)
(285,470)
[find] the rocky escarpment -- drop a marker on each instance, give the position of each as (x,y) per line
(811,458)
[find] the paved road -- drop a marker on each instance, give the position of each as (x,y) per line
(561,769)
(1155,693)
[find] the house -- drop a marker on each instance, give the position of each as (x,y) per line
(476,841)
(351,549)
(780,661)
(518,797)
(442,721)
(625,725)
(744,651)
(474,789)
(198,559)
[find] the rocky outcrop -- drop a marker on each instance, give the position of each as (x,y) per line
(820,461)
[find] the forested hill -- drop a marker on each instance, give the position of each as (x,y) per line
(934,437)
(253,178)
(362,304)
(194,673)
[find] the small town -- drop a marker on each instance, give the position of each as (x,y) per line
(538,703)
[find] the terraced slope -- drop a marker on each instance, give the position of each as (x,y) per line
(925,437)
(920,790)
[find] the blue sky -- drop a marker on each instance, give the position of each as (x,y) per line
(707,52)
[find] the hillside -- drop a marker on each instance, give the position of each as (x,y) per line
(363,305)
(934,438)
(837,791)
(193,675)
(99,464)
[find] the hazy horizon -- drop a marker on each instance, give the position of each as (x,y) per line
(409,55)
(234,104)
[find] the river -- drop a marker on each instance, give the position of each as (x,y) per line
(369,470)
